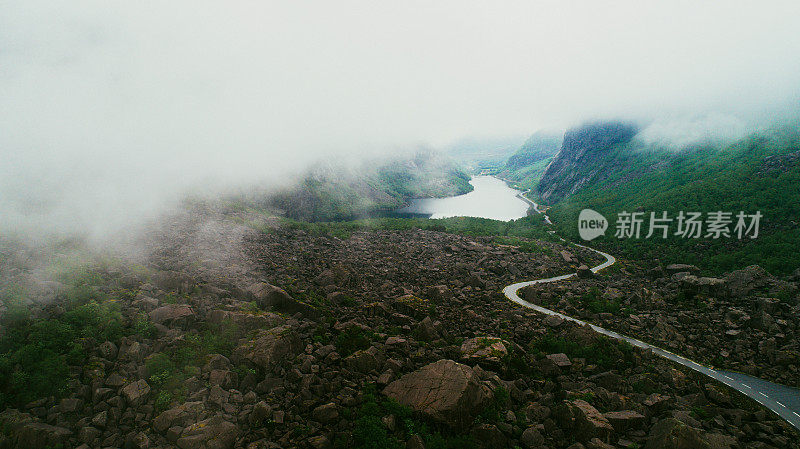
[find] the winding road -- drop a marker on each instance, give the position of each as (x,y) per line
(782,400)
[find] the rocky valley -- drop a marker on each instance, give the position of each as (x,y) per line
(231,337)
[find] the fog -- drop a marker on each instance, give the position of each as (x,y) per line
(111,111)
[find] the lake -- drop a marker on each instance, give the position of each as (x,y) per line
(492,198)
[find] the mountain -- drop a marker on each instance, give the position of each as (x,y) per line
(529,162)
(330,192)
(604,167)
(583,158)
(488,152)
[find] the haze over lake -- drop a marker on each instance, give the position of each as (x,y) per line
(492,198)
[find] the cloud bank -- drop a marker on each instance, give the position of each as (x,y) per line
(112,110)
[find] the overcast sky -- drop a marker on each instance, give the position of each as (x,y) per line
(111,108)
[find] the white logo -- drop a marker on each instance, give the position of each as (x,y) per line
(591,224)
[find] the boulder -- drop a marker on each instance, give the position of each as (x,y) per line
(246,321)
(211,433)
(172,314)
(625,420)
(742,282)
(561,360)
(589,422)
(38,435)
(490,350)
(365,360)
(532,438)
(584,272)
(269,296)
(326,413)
(489,436)
(682,268)
(445,391)
(671,433)
(269,347)
(136,392)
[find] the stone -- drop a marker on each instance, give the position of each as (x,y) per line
(625,420)
(211,433)
(365,360)
(532,438)
(270,347)
(561,360)
(671,433)
(326,413)
(584,272)
(489,436)
(682,268)
(589,422)
(182,415)
(445,391)
(260,414)
(483,349)
(36,435)
(108,350)
(246,321)
(319,442)
(268,296)
(136,393)
(172,314)
(70,405)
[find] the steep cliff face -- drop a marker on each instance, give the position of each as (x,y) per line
(584,158)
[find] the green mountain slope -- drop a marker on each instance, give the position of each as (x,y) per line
(339,193)
(527,165)
(759,173)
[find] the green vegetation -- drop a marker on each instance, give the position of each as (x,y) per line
(595,302)
(35,352)
(168,371)
(491,413)
(528,164)
(371,433)
(353,339)
(329,194)
(530,227)
(603,351)
(759,173)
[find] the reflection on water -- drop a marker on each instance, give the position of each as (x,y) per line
(492,198)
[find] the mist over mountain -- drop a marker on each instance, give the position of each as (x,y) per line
(113,114)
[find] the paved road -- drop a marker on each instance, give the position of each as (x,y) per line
(783,400)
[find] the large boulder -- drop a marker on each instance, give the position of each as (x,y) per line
(365,360)
(445,391)
(682,268)
(38,435)
(211,433)
(26,431)
(742,282)
(268,296)
(136,393)
(269,347)
(489,350)
(671,433)
(172,314)
(246,321)
(182,415)
(589,422)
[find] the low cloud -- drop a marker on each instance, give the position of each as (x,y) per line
(113,111)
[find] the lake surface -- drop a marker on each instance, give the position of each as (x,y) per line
(492,198)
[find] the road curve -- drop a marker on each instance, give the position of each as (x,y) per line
(782,400)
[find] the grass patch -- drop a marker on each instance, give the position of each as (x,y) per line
(603,352)
(35,352)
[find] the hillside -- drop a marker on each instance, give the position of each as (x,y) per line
(340,193)
(603,167)
(527,165)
